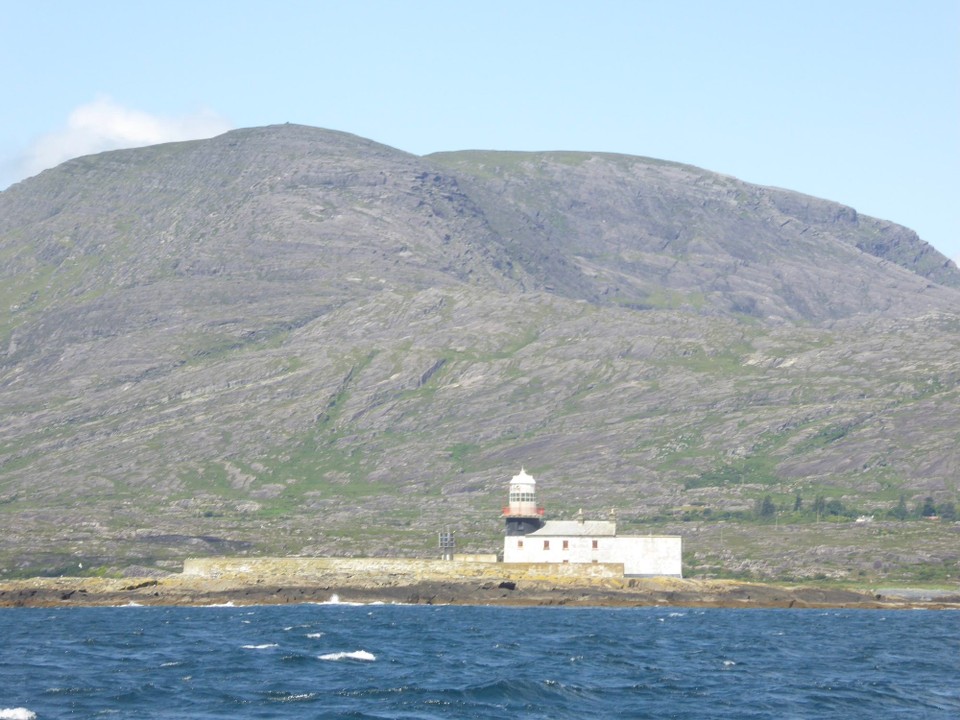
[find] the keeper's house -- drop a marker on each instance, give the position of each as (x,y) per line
(530,539)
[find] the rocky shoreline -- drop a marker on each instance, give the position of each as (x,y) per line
(179,590)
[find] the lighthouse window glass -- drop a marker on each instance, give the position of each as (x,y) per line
(546,544)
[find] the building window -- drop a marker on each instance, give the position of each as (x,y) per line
(546,544)
(566,544)
(519,544)
(595,544)
(566,561)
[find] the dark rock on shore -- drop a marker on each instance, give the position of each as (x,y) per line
(175,590)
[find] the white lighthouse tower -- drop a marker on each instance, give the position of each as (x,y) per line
(522,514)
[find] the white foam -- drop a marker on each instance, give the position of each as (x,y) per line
(259,647)
(229,603)
(335,600)
(355,655)
(314,636)
(17,714)
(297,698)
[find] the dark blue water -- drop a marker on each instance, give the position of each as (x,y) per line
(381,661)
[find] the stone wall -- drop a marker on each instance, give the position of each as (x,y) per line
(392,571)
(484,557)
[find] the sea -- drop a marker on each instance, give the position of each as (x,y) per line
(337,660)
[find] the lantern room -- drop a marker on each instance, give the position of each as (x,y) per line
(522,514)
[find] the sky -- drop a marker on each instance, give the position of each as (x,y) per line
(856,101)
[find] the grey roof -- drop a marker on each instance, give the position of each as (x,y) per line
(575,528)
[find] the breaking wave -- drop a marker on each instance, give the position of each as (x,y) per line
(17,714)
(355,655)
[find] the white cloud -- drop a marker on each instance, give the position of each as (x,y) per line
(104,125)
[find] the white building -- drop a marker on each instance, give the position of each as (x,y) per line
(531,540)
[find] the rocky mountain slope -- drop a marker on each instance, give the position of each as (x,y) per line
(287,339)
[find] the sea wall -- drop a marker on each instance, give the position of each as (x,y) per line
(492,558)
(385,572)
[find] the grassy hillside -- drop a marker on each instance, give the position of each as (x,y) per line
(286,340)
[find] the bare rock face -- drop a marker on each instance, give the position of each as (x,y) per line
(287,340)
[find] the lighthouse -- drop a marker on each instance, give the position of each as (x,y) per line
(522,514)
(530,539)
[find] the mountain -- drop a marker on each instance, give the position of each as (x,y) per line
(288,339)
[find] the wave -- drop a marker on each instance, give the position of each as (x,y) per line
(355,655)
(19,713)
(259,647)
(292,697)
(314,636)
(335,600)
(344,603)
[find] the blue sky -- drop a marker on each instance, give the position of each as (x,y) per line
(854,101)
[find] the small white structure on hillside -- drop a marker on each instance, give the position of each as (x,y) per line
(531,540)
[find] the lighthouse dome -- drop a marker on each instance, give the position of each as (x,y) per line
(522,478)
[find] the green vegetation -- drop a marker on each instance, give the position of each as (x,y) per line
(824,437)
(758,467)
(223,340)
